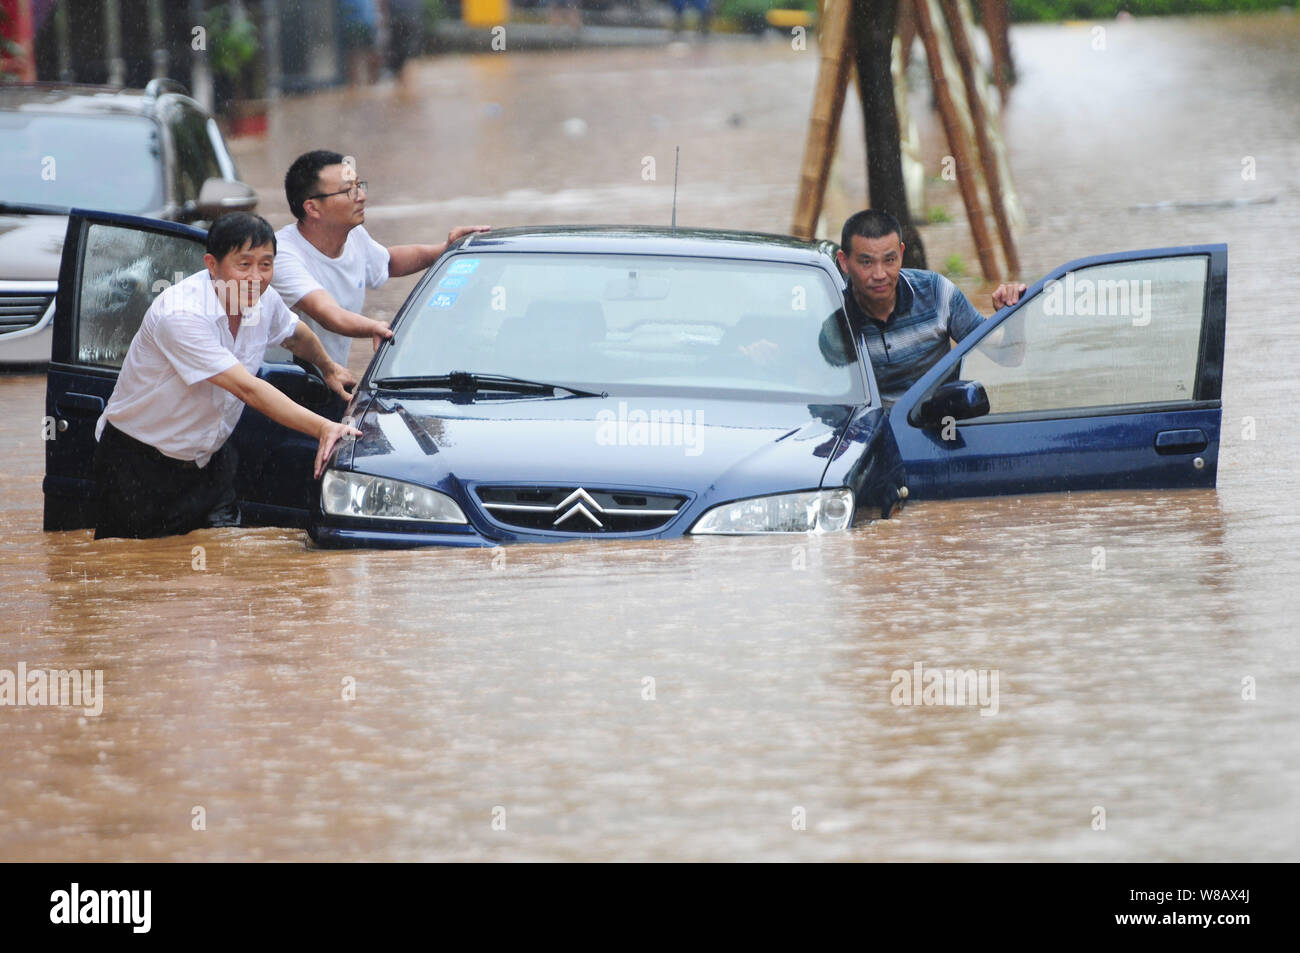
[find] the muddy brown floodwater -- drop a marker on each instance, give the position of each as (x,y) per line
(517,690)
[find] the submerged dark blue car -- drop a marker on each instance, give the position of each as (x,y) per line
(561,383)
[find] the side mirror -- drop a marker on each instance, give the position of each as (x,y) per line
(301,382)
(960,400)
(219,196)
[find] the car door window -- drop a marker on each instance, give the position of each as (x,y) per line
(123,270)
(1120,333)
(196,160)
(220,152)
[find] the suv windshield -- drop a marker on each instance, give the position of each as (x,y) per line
(110,163)
(618,322)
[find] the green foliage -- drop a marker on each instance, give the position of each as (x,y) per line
(232,42)
(937,214)
(954,267)
(1056,10)
(10,49)
(744,10)
(433,15)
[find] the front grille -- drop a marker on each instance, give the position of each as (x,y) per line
(19,311)
(578,511)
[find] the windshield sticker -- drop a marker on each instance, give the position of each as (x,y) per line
(465,267)
(442,300)
(453,281)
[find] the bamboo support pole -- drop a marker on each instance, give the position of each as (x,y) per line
(835,44)
(967,171)
(993,14)
(979,120)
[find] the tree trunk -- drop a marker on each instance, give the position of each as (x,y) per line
(874,22)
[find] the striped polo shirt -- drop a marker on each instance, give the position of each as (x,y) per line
(928,311)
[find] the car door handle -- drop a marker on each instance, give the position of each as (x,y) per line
(83,404)
(1181,441)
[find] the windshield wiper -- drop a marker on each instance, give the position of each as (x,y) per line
(463,382)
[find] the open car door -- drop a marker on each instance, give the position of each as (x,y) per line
(112,269)
(1107,374)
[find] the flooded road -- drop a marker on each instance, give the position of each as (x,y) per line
(727,698)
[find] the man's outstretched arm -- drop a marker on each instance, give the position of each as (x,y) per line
(305,344)
(321,307)
(260,395)
(1005,344)
(408,259)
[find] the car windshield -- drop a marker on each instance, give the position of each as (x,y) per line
(630,323)
(100,162)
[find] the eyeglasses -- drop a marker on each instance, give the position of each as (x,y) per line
(350,191)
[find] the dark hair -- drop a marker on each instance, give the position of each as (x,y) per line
(869,223)
(239,230)
(303,178)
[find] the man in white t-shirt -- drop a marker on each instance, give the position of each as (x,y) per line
(326,259)
(162,462)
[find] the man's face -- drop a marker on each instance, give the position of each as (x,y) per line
(241,276)
(872,266)
(339,207)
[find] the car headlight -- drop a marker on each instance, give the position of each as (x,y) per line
(356,494)
(816,511)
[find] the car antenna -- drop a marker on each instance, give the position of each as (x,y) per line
(677,159)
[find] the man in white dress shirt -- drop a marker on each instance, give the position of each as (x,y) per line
(162,464)
(326,260)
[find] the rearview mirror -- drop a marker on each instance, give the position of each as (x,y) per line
(637,288)
(960,400)
(217,197)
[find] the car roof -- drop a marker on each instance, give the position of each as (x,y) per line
(651,240)
(81,99)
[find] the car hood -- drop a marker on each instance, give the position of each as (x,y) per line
(31,246)
(722,448)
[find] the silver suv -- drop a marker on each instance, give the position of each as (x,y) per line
(153,152)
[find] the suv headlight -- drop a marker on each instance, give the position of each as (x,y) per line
(356,494)
(815,511)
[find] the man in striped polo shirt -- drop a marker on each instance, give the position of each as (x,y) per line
(904,317)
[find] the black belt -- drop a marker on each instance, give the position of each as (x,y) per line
(146,449)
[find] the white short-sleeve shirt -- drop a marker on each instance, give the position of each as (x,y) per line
(301,268)
(163,396)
